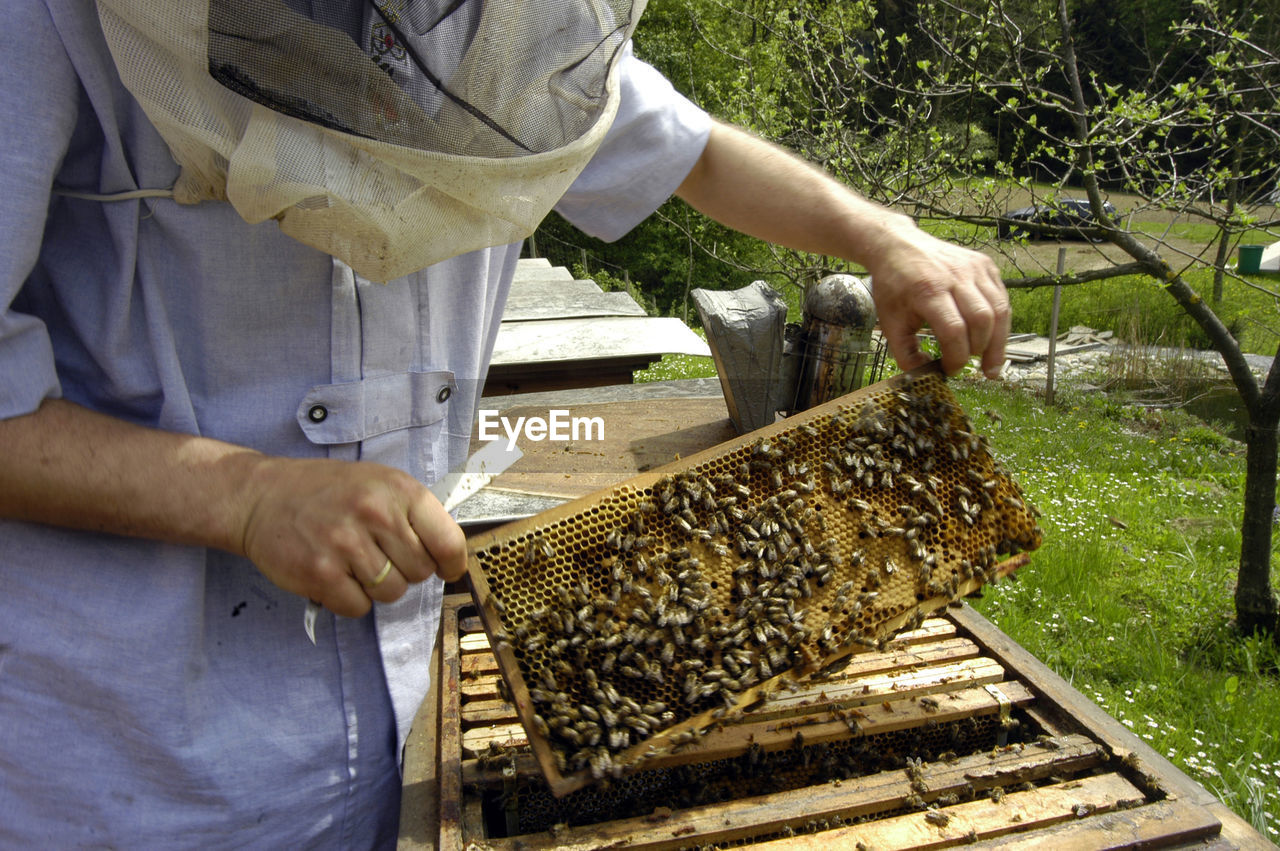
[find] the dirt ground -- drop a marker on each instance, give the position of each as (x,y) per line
(1039,257)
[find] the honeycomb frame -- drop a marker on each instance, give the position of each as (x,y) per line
(628,622)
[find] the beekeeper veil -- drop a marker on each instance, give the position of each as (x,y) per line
(391,134)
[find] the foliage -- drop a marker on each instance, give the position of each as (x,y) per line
(1128,598)
(727,61)
(662,259)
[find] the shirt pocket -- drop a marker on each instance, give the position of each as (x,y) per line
(354,411)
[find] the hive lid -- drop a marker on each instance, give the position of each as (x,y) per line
(630,621)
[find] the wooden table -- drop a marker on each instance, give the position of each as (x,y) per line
(645,425)
(559,333)
(1035,764)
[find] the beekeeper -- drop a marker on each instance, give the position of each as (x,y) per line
(253,262)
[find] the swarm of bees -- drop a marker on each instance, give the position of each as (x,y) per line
(635,619)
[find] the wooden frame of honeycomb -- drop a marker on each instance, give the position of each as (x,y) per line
(629,622)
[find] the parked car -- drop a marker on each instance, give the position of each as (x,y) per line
(1060,219)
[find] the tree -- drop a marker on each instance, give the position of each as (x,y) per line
(956,110)
(729,59)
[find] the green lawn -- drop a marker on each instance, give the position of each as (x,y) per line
(1130,597)
(1138,309)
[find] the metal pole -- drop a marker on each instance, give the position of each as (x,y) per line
(1053,327)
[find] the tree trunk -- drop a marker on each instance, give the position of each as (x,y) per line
(1255,604)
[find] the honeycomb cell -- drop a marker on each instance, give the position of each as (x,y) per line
(632,620)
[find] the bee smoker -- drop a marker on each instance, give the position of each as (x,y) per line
(767,366)
(834,345)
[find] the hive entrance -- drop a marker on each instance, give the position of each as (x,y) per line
(631,622)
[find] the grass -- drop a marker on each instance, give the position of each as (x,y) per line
(1140,311)
(677,366)
(1130,597)
(673,367)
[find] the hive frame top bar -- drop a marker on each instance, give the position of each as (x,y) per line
(880,578)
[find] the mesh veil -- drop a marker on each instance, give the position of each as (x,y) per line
(392,137)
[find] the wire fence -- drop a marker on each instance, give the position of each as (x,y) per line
(560,252)
(587,264)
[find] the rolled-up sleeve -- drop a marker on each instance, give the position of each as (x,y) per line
(655,140)
(39,93)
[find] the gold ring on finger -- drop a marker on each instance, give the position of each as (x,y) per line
(382,574)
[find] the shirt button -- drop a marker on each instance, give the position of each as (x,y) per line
(317,413)
(444,394)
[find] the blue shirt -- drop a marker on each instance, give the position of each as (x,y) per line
(154,695)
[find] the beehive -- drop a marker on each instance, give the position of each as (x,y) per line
(629,622)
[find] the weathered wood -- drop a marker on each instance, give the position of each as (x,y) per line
(480,688)
(932,628)
(1056,692)
(1163,824)
(473,819)
(534,306)
(587,340)
(480,709)
(473,642)
(638,436)
(539,267)
(559,333)
(895,685)
(1018,812)
(911,655)
(534,376)
(478,740)
(488,712)
(846,800)
(476,773)
(560,285)
(450,734)
(820,723)
(479,663)
(420,793)
(828,723)
(1045,721)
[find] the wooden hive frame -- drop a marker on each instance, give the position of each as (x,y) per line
(1068,775)
(630,622)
